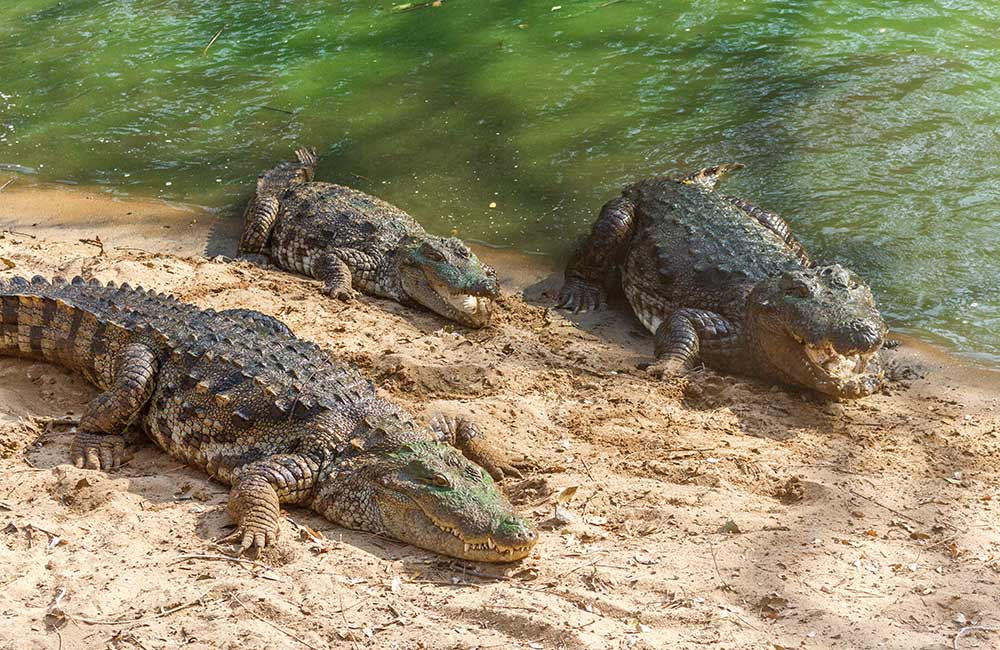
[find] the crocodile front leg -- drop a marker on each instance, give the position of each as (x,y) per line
(99,443)
(689,334)
(589,267)
(258,491)
(464,435)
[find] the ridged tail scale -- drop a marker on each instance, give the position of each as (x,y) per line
(75,324)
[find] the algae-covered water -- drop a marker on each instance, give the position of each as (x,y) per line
(873,126)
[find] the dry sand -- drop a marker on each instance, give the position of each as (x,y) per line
(709,512)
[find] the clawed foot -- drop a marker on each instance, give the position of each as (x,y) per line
(347,294)
(97,450)
(668,368)
(254,536)
(256,258)
(467,437)
(579,296)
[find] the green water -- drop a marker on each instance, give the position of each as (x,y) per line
(873,126)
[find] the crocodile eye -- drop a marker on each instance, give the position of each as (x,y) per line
(795,287)
(800,290)
(439,480)
(433,254)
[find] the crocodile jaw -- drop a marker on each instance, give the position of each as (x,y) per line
(409,522)
(836,365)
(466,308)
(850,376)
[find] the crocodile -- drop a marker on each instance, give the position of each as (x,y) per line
(237,395)
(354,241)
(720,280)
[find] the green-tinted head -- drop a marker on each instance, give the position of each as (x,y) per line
(445,276)
(428,494)
(819,328)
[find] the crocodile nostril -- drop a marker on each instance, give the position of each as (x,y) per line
(860,336)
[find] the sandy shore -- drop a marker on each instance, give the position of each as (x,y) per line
(708,512)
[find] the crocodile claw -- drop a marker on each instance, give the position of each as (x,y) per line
(97,450)
(347,294)
(579,296)
(251,536)
(667,368)
(466,436)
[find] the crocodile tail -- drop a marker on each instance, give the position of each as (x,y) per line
(306,156)
(55,321)
(709,177)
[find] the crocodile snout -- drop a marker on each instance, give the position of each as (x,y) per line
(858,336)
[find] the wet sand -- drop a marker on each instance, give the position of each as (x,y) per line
(710,511)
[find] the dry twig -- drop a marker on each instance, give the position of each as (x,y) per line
(971,628)
(214,38)
(96,241)
(227,558)
(892,510)
(274,625)
(128,621)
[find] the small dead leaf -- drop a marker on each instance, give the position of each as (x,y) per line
(531,573)
(730,527)
(564,495)
(772,605)
(54,613)
(7,263)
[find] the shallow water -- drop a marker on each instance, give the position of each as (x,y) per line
(870,125)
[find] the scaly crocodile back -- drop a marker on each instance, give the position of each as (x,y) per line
(316,217)
(692,248)
(229,389)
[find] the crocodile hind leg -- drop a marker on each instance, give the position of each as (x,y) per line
(588,269)
(99,443)
(307,157)
(258,491)
(464,435)
(775,224)
(258,221)
(689,334)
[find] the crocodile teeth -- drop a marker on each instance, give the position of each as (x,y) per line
(465,302)
(836,364)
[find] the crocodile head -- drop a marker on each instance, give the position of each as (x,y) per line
(445,276)
(818,328)
(427,494)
